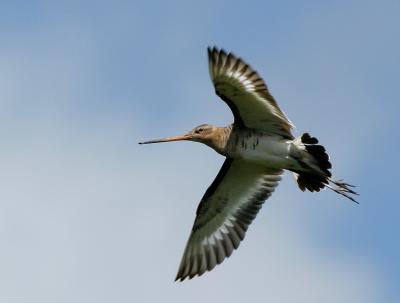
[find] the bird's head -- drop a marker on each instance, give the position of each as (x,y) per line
(203,133)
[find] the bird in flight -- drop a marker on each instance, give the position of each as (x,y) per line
(258,146)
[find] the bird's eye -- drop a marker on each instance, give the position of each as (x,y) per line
(199,130)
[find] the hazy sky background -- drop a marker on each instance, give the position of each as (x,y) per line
(88,215)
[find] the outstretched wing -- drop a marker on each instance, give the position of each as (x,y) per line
(228,207)
(246,94)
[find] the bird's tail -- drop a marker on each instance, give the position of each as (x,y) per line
(314,173)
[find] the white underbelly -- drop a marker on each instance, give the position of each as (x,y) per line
(267,150)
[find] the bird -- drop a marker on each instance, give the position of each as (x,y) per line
(258,146)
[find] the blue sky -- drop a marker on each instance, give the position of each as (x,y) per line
(87,215)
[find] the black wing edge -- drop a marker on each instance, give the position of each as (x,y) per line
(213,55)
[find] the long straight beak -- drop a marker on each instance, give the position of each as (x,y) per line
(169,139)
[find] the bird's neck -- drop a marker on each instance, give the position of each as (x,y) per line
(219,140)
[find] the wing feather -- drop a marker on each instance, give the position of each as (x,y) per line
(228,207)
(246,94)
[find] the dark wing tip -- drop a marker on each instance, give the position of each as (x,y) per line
(223,52)
(180,277)
(212,48)
(220,52)
(209,51)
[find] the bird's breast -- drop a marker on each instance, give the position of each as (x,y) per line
(271,150)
